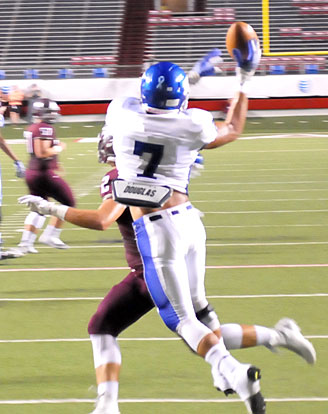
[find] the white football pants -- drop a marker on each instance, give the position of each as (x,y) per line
(172,246)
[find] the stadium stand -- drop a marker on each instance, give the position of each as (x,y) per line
(46,35)
(121,35)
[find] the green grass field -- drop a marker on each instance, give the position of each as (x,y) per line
(266,216)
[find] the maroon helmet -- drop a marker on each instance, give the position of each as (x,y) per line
(46,110)
(105,147)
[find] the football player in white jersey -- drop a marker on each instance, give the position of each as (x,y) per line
(156,140)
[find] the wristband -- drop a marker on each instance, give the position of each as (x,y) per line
(57,149)
(59,211)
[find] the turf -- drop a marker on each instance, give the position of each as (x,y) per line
(265,208)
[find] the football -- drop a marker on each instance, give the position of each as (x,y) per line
(238,34)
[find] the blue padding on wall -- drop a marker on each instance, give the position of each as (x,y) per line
(277,70)
(100,72)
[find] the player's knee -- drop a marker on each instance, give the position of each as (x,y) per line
(208,317)
(35,219)
(105,350)
(192,331)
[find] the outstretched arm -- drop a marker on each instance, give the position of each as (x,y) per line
(20,168)
(108,212)
(233,126)
(6,149)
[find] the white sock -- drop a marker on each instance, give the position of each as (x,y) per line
(48,231)
(216,353)
(264,335)
(223,364)
(56,232)
(32,239)
(110,388)
(26,236)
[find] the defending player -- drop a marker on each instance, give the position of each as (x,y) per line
(41,178)
(129,300)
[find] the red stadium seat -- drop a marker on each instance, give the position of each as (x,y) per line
(302,3)
(93,60)
(314,10)
(165,18)
(315,35)
(290,31)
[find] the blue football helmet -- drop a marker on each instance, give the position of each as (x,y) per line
(164,88)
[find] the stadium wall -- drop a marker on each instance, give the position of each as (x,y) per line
(91,96)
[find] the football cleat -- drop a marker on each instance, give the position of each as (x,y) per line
(290,337)
(53,242)
(244,380)
(13,253)
(27,248)
(106,405)
(246,383)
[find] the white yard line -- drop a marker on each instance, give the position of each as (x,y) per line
(244,183)
(266,211)
(160,400)
(109,245)
(92,298)
(88,269)
(292,190)
(51,340)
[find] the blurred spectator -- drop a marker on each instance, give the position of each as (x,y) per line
(15,98)
(4,98)
(32,93)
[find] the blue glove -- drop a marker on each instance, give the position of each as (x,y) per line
(197,166)
(207,66)
(20,169)
(247,67)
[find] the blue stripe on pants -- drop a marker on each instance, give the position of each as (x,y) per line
(161,301)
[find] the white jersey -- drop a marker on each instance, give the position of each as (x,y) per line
(157,149)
